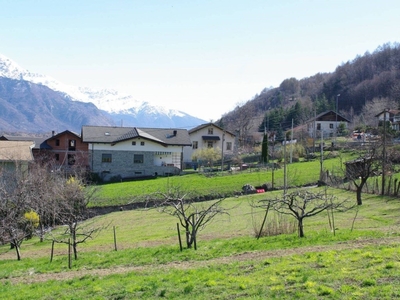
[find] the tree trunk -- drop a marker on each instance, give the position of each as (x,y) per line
(41,232)
(359,190)
(16,246)
(74,246)
(300,225)
(187,231)
(359,200)
(73,240)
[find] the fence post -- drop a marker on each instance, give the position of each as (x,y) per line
(115,239)
(179,236)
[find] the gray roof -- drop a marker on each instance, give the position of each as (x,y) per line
(16,150)
(329,115)
(197,128)
(113,135)
(38,141)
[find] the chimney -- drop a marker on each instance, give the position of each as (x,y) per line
(175,132)
(52,133)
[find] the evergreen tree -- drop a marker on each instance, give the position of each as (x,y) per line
(264,149)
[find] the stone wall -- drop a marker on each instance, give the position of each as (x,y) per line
(122,165)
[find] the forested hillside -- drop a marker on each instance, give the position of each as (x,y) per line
(366,84)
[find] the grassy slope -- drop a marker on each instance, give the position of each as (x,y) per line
(199,185)
(229,263)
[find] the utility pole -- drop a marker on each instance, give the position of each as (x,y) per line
(384,154)
(322,155)
(336,127)
(315,128)
(222,152)
(284,168)
(291,144)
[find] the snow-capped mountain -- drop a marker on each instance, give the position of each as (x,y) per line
(121,107)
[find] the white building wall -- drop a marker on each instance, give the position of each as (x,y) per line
(198,137)
(163,155)
(325,128)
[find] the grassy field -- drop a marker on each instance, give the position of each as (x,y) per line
(216,184)
(230,263)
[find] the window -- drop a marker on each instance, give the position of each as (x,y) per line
(141,143)
(106,158)
(210,144)
(57,157)
(57,142)
(71,145)
(134,143)
(71,159)
(331,125)
(195,145)
(318,126)
(211,130)
(138,158)
(228,145)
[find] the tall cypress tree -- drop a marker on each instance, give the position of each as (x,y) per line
(264,149)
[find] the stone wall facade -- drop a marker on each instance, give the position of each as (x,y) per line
(122,165)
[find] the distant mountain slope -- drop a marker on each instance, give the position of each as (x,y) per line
(361,88)
(29,107)
(120,108)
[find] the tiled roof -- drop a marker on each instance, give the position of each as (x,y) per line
(392,112)
(340,118)
(38,141)
(106,134)
(207,125)
(16,151)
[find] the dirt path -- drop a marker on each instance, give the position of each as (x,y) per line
(258,255)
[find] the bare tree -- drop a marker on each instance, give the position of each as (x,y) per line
(15,201)
(244,122)
(44,190)
(192,216)
(71,209)
(359,170)
(372,108)
(302,204)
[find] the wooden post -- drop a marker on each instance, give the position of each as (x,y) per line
(333,219)
(69,253)
(115,239)
(179,236)
(52,251)
(194,233)
(265,219)
(355,217)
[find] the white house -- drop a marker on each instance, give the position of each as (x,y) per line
(392,116)
(325,123)
(210,135)
(127,152)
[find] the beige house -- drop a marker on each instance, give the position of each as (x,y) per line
(326,123)
(16,154)
(209,135)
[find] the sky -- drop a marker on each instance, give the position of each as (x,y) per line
(201,57)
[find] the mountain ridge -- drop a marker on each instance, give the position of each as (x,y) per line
(112,104)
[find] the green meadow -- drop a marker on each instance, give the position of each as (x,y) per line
(217,184)
(358,258)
